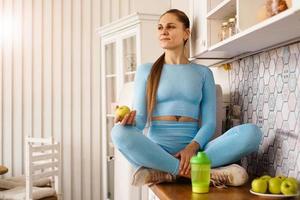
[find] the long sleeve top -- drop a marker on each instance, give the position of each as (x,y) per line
(184,90)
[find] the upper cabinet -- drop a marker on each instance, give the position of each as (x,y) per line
(198,10)
(223,29)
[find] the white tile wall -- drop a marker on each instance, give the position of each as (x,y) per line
(267,86)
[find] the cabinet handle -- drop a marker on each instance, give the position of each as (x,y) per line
(110,158)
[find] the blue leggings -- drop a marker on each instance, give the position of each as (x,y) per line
(166,138)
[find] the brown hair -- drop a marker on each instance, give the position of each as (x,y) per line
(154,76)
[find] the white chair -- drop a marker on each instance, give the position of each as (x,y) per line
(42,162)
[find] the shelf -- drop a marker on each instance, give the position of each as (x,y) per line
(275,30)
(224,10)
(111,76)
(130,73)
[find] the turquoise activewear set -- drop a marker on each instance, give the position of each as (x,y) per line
(184,90)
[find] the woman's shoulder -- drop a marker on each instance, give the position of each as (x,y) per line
(144,69)
(202,68)
(145,66)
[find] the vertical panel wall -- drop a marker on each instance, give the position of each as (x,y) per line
(50,83)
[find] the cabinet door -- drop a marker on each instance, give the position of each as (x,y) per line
(111,95)
(129,58)
(199,35)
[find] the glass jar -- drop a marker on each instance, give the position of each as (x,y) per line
(231,27)
(224,31)
(274,7)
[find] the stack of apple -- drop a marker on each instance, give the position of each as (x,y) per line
(275,185)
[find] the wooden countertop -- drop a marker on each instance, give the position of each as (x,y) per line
(182,190)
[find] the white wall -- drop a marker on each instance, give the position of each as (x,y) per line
(49,86)
(221,77)
(50,83)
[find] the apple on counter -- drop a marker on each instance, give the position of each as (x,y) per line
(289,187)
(275,185)
(259,185)
(281,177)
(266,177)
(122,111)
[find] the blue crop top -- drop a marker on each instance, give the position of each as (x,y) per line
(185,90)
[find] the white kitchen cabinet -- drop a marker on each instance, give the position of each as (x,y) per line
(199,36)
(252,34)
(125,44)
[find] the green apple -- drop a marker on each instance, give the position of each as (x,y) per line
(288,187)
(259,185)
(293,180)
(281,177)
(121,111)
(274,185)
(266,177)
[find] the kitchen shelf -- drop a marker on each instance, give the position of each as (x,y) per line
(111,76)
(130,73)
(224,10)
(275,30)
(253,33)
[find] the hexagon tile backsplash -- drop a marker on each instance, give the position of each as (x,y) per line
(267,87)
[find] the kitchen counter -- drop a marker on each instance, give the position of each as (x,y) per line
(182,190)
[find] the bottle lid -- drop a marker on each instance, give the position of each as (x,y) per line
(201,158)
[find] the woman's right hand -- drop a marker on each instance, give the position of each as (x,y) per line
(129,119)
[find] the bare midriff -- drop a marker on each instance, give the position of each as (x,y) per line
(174,118)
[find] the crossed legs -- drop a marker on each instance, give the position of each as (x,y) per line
(142,151)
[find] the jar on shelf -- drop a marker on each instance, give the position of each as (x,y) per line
(274,7)
(231,27)
(224,31)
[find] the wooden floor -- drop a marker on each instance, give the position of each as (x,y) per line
(182,190)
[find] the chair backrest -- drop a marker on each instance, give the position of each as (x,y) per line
(126,95)
(42,160)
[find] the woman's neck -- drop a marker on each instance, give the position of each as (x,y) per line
(175,57)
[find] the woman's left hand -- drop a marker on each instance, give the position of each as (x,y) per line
(185,156)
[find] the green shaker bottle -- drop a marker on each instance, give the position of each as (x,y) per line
(200,173)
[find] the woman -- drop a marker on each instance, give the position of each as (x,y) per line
(171,96)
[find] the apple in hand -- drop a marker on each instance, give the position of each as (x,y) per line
(122,111)
(259,185)
(288,187)
(274,185)
(266,177)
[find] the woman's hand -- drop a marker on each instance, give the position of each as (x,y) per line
(129,119)
(185,156)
